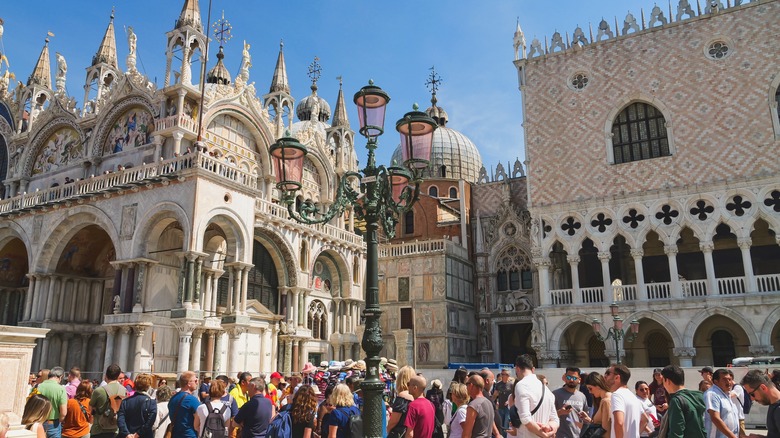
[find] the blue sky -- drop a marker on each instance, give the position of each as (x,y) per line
(393,42)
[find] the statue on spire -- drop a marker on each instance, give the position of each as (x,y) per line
(62,71)
(246,62)
(132,39)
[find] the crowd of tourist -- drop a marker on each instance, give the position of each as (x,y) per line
(326,401)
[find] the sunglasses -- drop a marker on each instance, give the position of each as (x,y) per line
(607,372)
(572,378)
(752,393)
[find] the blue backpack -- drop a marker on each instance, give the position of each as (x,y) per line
(281,426)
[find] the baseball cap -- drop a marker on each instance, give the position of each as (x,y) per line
(706,370)
(276,375)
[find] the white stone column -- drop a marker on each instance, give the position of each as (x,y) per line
(215,291)
(28,299)
(207,309)
(218,347)
(264,347)
(294,308)
(177,138)
(543,267)
(237,277)
(641,289)
(230,300)
(574,262)
(139,345)
(671,254)
(50,304)
(609,294)
(685,355)
(244,287)
(109,356)
(197,345)
(43,358)
(235,347)
(747,262)
(709,265)
(84,351)
(65,348)
(124,346)
(185,339)
(40,282)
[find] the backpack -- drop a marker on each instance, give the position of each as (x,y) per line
(747,402)
(214,426)
(281,426)
(106,415)
(355,424)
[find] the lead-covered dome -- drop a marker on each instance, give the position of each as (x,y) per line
(453,155)
(313,107)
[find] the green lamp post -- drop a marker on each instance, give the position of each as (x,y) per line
(616,332)
(387,193)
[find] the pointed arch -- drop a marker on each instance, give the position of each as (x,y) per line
(262,134)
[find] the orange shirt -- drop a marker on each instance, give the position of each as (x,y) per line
(75,424)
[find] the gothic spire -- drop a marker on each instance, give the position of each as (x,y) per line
(42,73)
(190,16)
(340,114)
(106,53)
(279,82)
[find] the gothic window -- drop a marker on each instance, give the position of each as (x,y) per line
(318,320)
(433,191)
(263,283)
(718,50)
(513,271)
(453,193)
(310,172)
(639,133)
(409,222)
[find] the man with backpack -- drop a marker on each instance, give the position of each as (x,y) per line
(105,403)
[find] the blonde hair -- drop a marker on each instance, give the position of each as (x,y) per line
(185,377)
(459,391)
(36,410)
(143,382)
(341,396)
(402,378)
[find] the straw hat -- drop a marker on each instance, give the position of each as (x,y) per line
(392,365)
(308,368)
(324,365)
(360,365)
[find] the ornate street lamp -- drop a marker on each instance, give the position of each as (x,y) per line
(616,332)
(388,192)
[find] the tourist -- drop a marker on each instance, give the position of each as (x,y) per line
(74,379)
(642,391)
(55,393)
(535,402)
(353,382)
(479,414)
(761,389)
(203,391)
(722,420)
(627,413)
(138,413)
(569,401)
(164,394)
(241,390)
(104,424)
(183,406)
(421,415)
(658,394)
(400,405)
(303,411)
(36,412)
(706,373)
(214,403)
(255,415)
(602,417)
(77,421)
(685,416)
(343,408)
(501,392)
(705,385)
(436,396)
(460,398)
(273,388)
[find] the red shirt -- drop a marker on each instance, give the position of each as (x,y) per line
(421,417)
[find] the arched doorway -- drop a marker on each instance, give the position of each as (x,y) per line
(13,280)
(718,340)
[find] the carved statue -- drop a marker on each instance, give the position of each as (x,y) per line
(62,71)
(116,300)
(131,43)
(246,63)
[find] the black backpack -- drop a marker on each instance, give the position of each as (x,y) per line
(215,422)
(748,403)
(355,423)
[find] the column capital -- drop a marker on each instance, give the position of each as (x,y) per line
(637,253)
(542,262)
(236,332)
(684,352)
(706,246)
(211,334)
(573,259)
(761,349)
(126,329)
(744,242)
(604,255)
(186,328)
(140,330)
(670,250)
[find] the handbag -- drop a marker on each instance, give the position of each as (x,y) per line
(514,416)
(592,430)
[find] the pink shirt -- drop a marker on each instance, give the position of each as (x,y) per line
(70,388)
(421,417)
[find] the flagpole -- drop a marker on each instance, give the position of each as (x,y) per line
(203,77)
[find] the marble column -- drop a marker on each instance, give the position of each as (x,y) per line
(685,355)
(84,351)
(109,356)
(609,294)
(709,266)
(189,289)
(747,263)
(301,309)
(185,339)
(50,304)
(215,291)
(196,287)
(264,345)
(124,346)
(287,357)
(181,299)
(206,299)
(139,345)
(295,358)
(65,348)
(543,266)
(28,300)
(294,310)
(44,356)
(218,347)
(234,365)
(229,309)
(244,287)
(197,344)
(641,289)
(574,262)
(237,289)
(209,366)
(671,254)
(139,302)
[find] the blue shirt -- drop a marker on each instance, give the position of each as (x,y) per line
(340,417)
(183,416)
(717,400)
(233,404)
(254,416)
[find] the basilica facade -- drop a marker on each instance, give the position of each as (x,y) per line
(144,228)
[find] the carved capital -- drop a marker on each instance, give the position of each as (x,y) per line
(140,330)
(685,352)
(761,350)
(126,330)
(573,259)
(111,330)
(706,246)
(605,255)
(185,328)
(744,242)
(549,355)
(670,250)
(236,332)
(637,253)
(542,262)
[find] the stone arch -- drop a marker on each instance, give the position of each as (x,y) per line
(12,230)
(236,233)
(670,327)
(697,319)
(61,233)
(624,102)
(769,326)
(336,263)
(282,254)
(43,134)
(107,120)
(563,325)
(152,224)
(774,106)
(262,134)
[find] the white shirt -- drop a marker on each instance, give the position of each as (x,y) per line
(528,394)
(738,398)
(649,409)
(162,412)
(626,402)
(203,412)
(456,426)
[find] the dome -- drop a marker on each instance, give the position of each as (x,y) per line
(313,107)
(453,155)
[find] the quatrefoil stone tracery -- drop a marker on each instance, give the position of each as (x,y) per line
(667,214)
(739,205)
(773,201)
(702,210)
(601,222)
(633,218)
(570,226)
